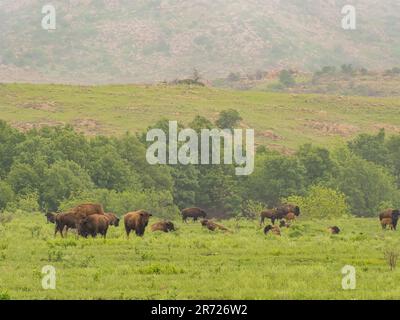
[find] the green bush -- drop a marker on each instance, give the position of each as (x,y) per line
(321,202)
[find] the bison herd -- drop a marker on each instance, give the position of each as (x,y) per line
(90,220)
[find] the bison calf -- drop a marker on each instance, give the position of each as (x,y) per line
(137,221)
(210,225)
(274,229)
(334,230)
(164,226)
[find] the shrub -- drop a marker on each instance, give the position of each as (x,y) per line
(321,202)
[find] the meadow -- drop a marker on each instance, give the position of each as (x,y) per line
(281,121)
(195,263)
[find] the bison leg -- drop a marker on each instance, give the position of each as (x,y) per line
(262,220)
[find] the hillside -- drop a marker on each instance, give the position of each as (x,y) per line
(121,41)
(282,121)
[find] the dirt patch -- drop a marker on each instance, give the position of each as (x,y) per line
(26,126)
(271,135)
(88,126)
(387,127)
(281,149)
(332,128)
(44,106)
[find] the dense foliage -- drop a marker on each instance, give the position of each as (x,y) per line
(54,168)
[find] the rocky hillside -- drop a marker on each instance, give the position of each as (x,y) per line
(99,41)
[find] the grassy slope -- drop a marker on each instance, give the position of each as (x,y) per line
(305,262)
(117,109)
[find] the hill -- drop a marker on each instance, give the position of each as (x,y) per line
(282,121)
(122,41)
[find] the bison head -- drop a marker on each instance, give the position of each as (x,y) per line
(204,222)
(267,229)
(144,217)
(297,210)
(170,226)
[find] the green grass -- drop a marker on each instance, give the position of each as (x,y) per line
(117,109)
(194,263)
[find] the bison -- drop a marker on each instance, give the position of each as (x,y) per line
(66,221)
(269,214)
(194,213)
(210,225)
(138,221)
(334,230)
(274,229)
(387,222)
(50,217)
(165,226)
(114,220)
(87,209)
(95,224)
(392,214)
(283,210)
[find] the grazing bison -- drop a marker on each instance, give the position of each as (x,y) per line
(210,225)
(334,230)
(269,214)
(67,220)
(94,224)
(50,217)
(138,221)
(392,214)
(387,222)
(114,220)
(274,229)
(284,210)
(194,213)
(165,226)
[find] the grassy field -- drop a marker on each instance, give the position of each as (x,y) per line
(281,120)
(194,263)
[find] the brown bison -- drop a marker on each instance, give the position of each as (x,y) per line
(50,217)
(165,226)
(138,221)
(283,210)
(274,229)
(66,221)
(269,214)
(387,222)
(194,213)
(114,220)
(210,225)
(290,217)
(392,214)
(94,224)
(334,230)
(87,209)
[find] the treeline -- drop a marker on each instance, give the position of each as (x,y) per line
(55,168)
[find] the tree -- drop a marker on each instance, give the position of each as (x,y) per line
(275,177)
(371,147)
(286,78)
(228,119)
(108,170)
(62,180)
(23,179)
(316,161)
(365,184)
(6,194)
